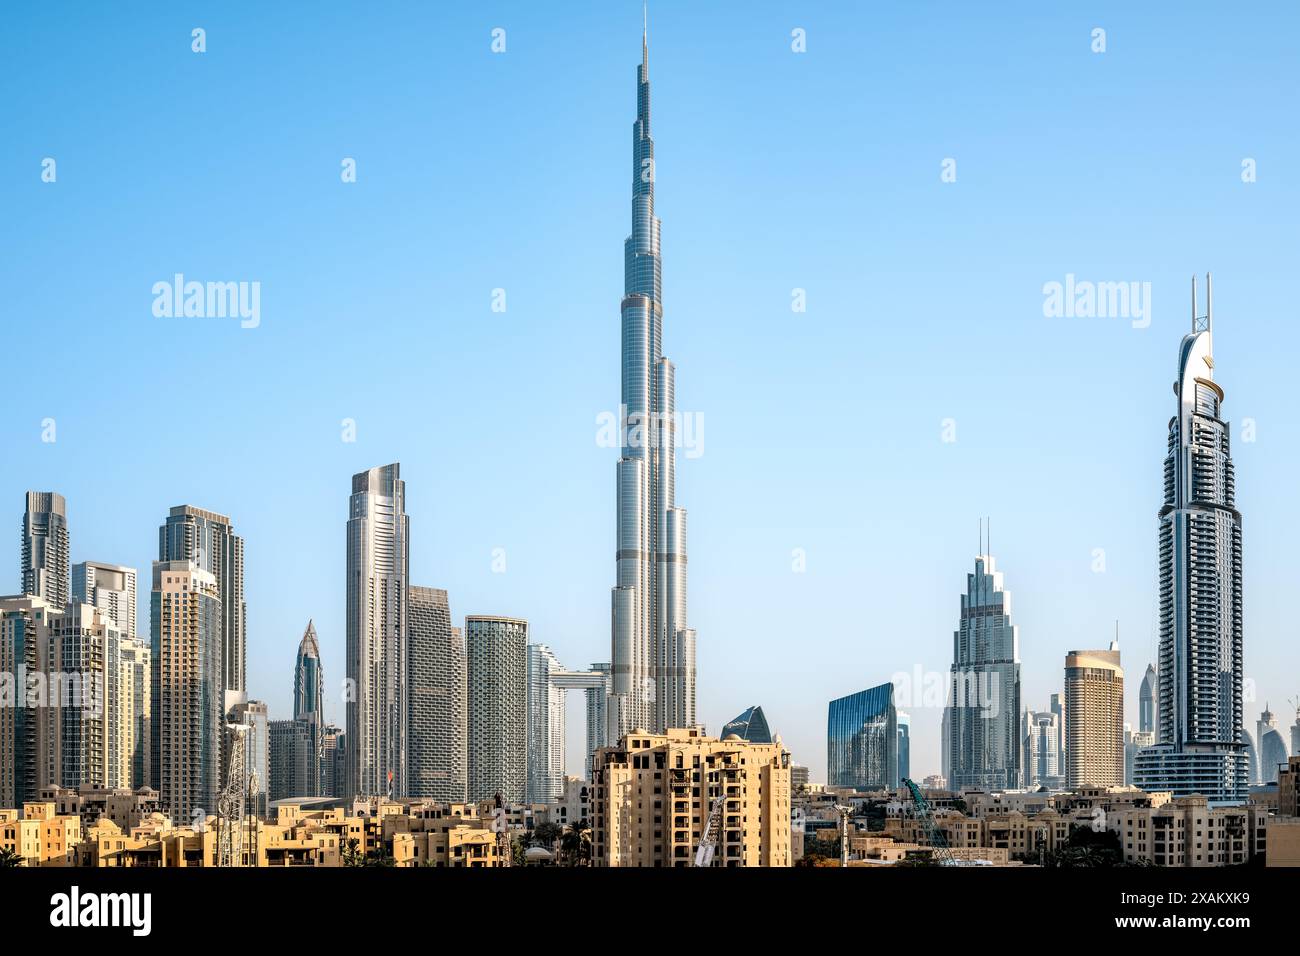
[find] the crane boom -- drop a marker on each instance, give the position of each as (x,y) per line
(934,835)
(709,841)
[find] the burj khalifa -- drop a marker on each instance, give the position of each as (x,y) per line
(653,649)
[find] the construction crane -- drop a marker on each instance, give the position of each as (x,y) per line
(846,813)
(934,835)
(709,839)
(231,801)
(501,824)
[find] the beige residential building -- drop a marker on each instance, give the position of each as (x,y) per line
(1094,718)
(1288,788)
(1187,832)
(188,696)
(39,835)
(135,712)
(126,808)
(654,794)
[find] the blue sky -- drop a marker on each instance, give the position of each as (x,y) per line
(776,171)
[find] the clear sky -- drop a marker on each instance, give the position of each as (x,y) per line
(823,430)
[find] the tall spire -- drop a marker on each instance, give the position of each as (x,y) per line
(645,36)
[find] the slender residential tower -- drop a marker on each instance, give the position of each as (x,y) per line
(653,663)
(209,540)
(44,560)
(1200,745)
(378,590)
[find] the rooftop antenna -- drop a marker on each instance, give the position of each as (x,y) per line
(1209,305)
(1203,323)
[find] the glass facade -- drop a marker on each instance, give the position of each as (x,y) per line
(750,725)
(862,740)
(984,698)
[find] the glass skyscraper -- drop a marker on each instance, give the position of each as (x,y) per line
(1200,746)
(750,725)
(862,740)
(984,706)
(653,648)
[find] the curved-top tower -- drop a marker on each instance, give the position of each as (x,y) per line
(308,683)
(1200,746)
(653,650)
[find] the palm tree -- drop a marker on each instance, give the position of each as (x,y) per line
(576,844)
(547,834)
(9,859)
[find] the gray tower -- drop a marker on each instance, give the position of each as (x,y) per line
(497,652)
(984,706)
(437,741)
(653,663)
(1199,746)
(377,575)
(45,568)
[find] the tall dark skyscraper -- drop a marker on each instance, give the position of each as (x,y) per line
(309,706)
(308,679)
(653,679)
(44,560)
(1200,745)
(1147,701)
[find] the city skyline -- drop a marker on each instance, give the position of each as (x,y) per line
(1007,454)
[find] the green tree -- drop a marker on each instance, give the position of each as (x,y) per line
(1087,847)
(575,845)
(548,834)
(352,853)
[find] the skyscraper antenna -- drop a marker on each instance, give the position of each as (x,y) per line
(1193,303)
(645,32)
(1209,305)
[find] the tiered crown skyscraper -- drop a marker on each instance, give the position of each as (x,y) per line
(1200,744)
(984,703)
(653,663)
